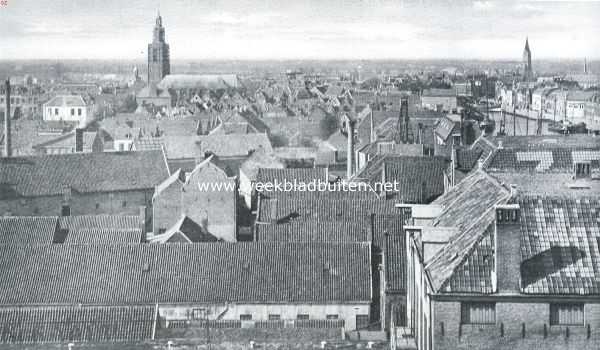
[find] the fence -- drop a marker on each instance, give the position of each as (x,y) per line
(259,324)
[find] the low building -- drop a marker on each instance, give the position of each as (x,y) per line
(442,100)
(576,103)
(81,183)
(276,284)
(68,108)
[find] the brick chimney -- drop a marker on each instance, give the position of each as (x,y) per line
(350,150)
(7,131)
(507,240)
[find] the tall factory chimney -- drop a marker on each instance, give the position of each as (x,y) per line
(7,141)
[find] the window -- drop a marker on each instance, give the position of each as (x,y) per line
(582,169)
(566,314)
(303,316)
(97,206)
(121,147)
(56,111)
(65,210)
(478,313)
(79,111)
(246,317)
(198,314)
(332,317)
(274,317)
(72,111)
(124,204)
(362,321)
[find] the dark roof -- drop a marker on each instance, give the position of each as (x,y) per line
(420,179)
(303,206)
(27,229)
(547,141)
(76,324)
(445,128)
(483,145)
(315,231)
(185,273)
(541,160)
(89,172)
(104,236)
(466,158)
(106,229)
(560,245)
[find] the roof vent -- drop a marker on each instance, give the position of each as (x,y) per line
(146,267)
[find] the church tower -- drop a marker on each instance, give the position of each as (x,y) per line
(527,70)
(159,64)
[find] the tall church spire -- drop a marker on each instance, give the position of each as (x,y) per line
(158,54)
(527,69)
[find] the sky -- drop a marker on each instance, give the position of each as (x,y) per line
(301,29)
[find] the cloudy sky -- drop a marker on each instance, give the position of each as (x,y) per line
(299,29)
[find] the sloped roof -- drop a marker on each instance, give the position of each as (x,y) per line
(445,128)
(233,145)
(185,273)
(315,231)
(470,208)
(102,324)
(305,175)
(104,236)
(191,231)
(66,101)
(541,160)
(439,93)
(27,229)
(560,245)
(83,172)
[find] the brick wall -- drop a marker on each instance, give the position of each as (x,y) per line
(167,207)
(511,317)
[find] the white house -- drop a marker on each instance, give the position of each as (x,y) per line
(70,108)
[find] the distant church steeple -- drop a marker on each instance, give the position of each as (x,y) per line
(585,68)
(159,63)
(527,69)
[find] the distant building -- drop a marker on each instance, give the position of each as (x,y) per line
(159,63)
(527,69)
(442,100)
(68,108)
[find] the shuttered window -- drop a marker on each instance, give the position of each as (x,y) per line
(478,313)
(566,314)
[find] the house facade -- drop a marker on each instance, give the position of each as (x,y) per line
(68,108)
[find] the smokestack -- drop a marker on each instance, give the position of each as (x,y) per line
(7,140)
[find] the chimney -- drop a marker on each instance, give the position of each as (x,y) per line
(507,238)
(78,140)
(7,131)
(143,221)
(350,150)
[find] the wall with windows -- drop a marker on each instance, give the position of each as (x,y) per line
(516,325)
(350,313)
(576,111)
(65,113)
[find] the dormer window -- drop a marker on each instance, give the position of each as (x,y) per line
(582,170)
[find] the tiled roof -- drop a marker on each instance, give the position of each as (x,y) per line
(305,175)
(315,231)
(336,205)
(191,232)
(445,128)
(468,207)
(389,237)
(560,245)
(420,179)
(79,222)
(76,324)
(27,229)
(233,145)
(104,236)
(546,160)
(554,183)
(547,141)
(466,159)
(185,273)
(483,145)
(89,172)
